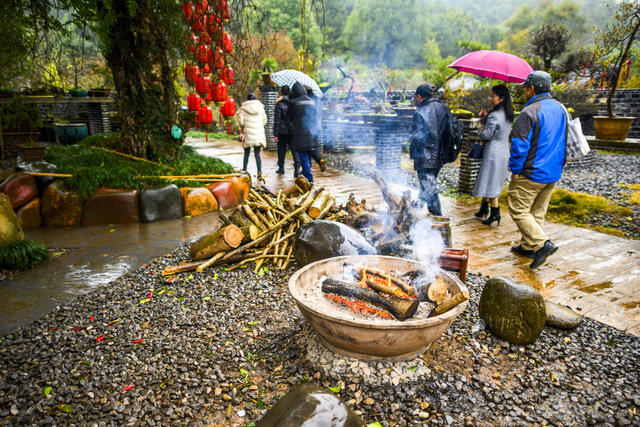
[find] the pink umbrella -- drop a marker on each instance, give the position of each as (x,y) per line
(494,64)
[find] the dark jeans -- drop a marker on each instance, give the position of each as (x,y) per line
(315,155)
(284,144)
(429,189)
(305,160)
(256,153)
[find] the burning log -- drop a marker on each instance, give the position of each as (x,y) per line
(400,308)
(224,239)
(383,282)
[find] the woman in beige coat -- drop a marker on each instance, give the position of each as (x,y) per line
(252,120)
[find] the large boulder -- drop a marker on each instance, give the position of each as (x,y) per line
(160,202)
(10,229)
(514,311)
(224,194)
(197,201)
(60,207)
(29,215)
(241,186)
(111,206)
(323,239)
(561,317)
(21,188)
(310,405)
(38,166)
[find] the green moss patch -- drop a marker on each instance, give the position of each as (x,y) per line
(581,205)
(23,255)
(212,135)
(93,167)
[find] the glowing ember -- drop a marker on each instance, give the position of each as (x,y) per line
(359,307)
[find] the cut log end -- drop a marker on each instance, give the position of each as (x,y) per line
(225,239)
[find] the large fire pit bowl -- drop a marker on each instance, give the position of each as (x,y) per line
(361,337)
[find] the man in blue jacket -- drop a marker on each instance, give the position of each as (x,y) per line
(537,156)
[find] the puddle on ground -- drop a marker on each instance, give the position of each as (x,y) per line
(592,289)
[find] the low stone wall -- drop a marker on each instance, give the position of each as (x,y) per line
(40,201)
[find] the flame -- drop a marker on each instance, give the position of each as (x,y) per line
(363,283)
(371,277)
(359,306)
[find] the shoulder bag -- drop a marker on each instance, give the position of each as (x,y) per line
(577,146)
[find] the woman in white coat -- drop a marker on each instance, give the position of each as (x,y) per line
(252,120)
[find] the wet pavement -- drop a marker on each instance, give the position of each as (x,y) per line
(97,255)
(596,274)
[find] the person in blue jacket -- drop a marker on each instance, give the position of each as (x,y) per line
(536,160)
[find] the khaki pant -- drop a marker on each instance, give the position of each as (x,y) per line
(528,203)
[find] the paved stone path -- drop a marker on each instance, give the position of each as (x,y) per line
(596,274)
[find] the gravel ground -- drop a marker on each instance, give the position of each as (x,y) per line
(221,346)
(604,178)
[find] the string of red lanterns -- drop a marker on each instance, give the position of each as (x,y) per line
(212,74)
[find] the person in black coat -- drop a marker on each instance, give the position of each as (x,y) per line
(305,126)
(315,153)
(282,134)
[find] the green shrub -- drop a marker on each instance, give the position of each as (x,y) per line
(23,255)
(93,167)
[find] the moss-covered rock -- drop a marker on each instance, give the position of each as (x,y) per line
(514,311)
(10,229)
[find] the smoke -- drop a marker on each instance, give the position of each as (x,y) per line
(427,244)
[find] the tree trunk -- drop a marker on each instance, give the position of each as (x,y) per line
(137,54)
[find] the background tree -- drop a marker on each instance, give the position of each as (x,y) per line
(613,45)
(549,42)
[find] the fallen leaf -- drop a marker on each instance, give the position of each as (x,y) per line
(261,404)
(229,410)
(144,301)
(128,387)
(189,277)
(65,408)
(413,368)
(253,322)
(162,292)
(86,362)
(207,298)
(114,321)
(111,231)
(91,319)
(261,272)
(47,390)
(100,338)
(215,276)
(77,328)
(137,341)
(567,339)
(150,294)
(335,389)
(554,376)
(376,424)
(171,279)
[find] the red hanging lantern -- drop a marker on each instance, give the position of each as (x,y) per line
(203,54)
(205,38)
(226,42)
(228,109)
(217,59)
(205,114)
(201,6)
(187,9)
(194,101)
(219,92)
(223,8)
(206,69)
(198,23)
(215,27)
(202,85)
(227,76)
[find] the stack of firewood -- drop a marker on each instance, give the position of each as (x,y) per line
(262,229)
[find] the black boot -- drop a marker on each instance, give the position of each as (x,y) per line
(495,216)
(484,210)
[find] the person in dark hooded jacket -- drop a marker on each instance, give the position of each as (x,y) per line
(305,126)
(281,132)
(315,153)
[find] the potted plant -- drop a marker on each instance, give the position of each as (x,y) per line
(613,48)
